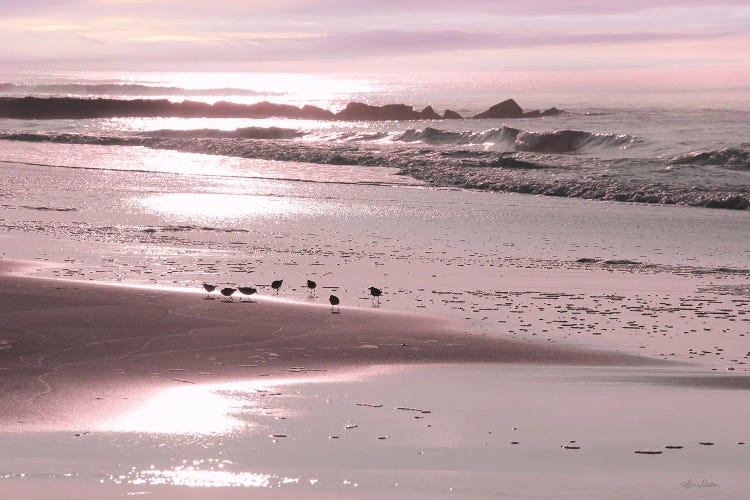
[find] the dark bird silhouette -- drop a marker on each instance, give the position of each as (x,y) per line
(312,285)
(227,292)
(208,288)
(334,302)
(276,285)
(247,290)
(376,292)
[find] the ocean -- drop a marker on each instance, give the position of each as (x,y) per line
(686,147)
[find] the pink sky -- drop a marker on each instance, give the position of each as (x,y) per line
(637,37)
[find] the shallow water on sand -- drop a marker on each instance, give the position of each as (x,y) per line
(431,437)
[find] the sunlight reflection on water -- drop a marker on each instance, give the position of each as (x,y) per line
(209,478)
(208,473)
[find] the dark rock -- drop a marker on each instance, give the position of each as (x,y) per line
(429,114)
(552,112)
(77,108)
(357,111)
(83,108)
(316,113)
(506,109)
(538,114)
(397,112)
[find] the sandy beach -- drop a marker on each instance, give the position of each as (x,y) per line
(131,390)
(520,348)
(64,339)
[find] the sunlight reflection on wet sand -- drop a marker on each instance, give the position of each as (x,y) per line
(212,206)
(217,408)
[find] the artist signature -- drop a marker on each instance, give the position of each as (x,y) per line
(704,483)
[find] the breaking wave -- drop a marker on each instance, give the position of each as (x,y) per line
(556,141)
(429,135)
(733,158)
(570,141)
(451,161)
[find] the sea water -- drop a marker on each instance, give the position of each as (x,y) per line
(655,146)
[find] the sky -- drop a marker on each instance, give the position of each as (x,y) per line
(634,39)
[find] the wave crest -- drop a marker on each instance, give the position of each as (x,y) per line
(556,141)
(734,158)
(434,136)
(570,141)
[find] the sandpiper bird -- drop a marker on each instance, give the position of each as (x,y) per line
(247,290)
(227,292)
(208,288)
(276,285)
(334,302)
(312,285)
(376,292)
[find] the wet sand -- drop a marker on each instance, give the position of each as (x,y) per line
(523,431)
(114,391)
(66,341)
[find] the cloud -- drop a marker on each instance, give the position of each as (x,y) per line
(304,31)
(398,42)
(532,8)
(350,48)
